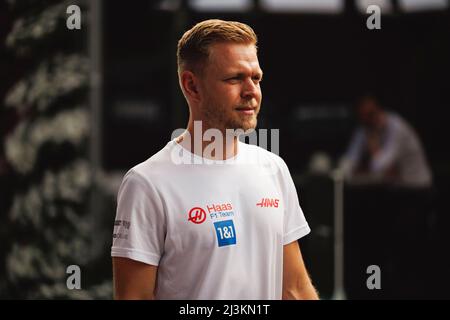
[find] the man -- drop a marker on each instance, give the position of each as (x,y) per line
(394,205)
(386,149)
(221,230)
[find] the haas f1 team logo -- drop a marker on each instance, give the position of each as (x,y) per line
(266,202)
(197,215)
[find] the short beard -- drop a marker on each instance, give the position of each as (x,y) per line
(218,120)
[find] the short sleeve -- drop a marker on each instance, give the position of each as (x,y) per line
(140,224)
(295,224)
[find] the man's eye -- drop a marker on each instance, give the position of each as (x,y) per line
(234,79)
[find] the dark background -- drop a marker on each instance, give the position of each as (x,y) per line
(316,63)
(315,66)
(321,61)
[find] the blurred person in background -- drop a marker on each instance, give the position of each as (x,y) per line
(386,148)
(390,192)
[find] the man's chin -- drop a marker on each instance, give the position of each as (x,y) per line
(244,127)
(249,129)
(250,125)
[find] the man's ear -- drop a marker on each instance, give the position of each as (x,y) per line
(190,85)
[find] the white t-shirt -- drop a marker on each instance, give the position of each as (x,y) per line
(215,231)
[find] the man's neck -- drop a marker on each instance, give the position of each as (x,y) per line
(201,139)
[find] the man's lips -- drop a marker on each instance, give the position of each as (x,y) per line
(246,110)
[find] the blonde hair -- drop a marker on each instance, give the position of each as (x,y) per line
(193,47)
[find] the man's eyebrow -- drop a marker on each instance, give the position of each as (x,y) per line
(238,74)
(241,74)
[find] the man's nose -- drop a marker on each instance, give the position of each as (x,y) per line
(250,89)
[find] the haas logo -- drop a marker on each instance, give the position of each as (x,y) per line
(197,215)
(268,202)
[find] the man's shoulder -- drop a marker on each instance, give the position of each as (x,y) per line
(396,119)
(262,155)
(157,164)
(399,124)
(255,149)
